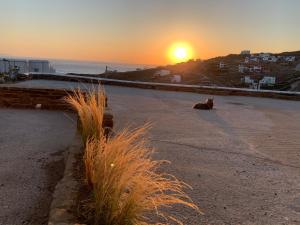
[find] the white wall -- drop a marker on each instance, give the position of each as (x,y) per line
(39,66)
(248,80)
(268,80)
(22,65)
(176,79)
(6,65)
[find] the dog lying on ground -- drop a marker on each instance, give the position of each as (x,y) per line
(208,105)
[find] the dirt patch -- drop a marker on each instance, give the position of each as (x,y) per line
(83,212)
(54,171)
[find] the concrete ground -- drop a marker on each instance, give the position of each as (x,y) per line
(32,144)
(242,159)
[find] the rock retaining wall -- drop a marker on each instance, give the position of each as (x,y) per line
(16,97)
(50,99)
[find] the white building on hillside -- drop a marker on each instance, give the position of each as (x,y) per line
(251,59)
(250,68)
(268,80)
(222,65)
(271,58)
(176,79)
(251,82)
(162,73)
(247,80)
(255,69)
(243,68)
(297,68)
(290,58)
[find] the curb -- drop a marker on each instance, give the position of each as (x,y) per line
(65,193)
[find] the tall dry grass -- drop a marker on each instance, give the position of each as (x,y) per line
(127,186)
(90,107)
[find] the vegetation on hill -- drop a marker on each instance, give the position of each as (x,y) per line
(207,72)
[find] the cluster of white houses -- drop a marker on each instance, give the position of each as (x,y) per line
(26,66)
(265,81)
(250,68)
(254,64)
(266,57)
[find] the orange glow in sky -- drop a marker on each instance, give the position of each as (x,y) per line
(146,32)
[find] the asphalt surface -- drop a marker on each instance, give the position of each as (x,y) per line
(242,159)
(32,146)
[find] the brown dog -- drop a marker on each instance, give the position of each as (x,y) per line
(208,105)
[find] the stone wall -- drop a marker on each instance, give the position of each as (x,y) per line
(15,97)
(50,99)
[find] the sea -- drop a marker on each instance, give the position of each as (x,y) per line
(86,67)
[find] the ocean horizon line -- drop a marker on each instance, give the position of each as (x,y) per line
(75,60)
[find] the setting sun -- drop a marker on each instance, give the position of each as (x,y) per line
(180,52)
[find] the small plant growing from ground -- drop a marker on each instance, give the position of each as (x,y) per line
(126,184)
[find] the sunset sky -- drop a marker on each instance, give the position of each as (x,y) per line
(142,31)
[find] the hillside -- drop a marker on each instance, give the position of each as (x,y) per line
(208,72)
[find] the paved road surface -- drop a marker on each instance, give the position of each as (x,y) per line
(32,144)
(242,159)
